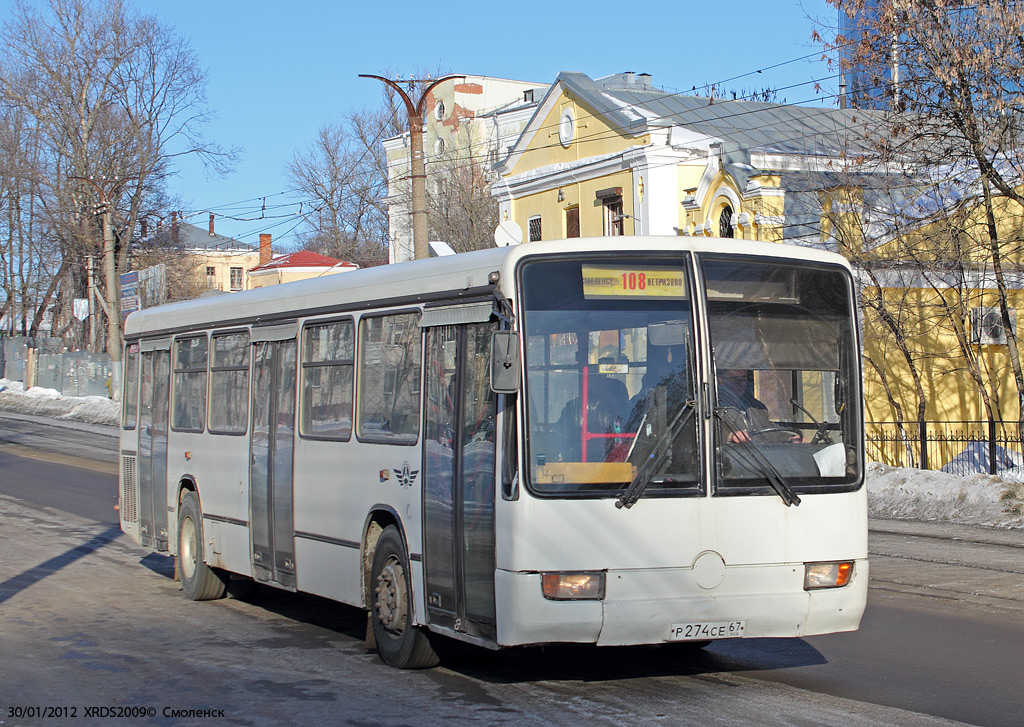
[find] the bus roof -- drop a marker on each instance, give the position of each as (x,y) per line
(452,277)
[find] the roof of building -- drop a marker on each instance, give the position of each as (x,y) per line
(184,236)
(302,259)
(778,127)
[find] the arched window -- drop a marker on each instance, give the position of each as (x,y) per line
(725,228)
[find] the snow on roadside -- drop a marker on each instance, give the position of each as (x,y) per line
(894,493)
(50,403)
(898,493)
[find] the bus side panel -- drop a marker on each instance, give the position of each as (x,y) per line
(329,570)
(327,545)
(336,486)
(218,464)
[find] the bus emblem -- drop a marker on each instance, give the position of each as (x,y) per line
(406,477)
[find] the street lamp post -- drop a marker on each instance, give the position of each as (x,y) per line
(418,167)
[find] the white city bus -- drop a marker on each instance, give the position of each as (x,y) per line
(610,441)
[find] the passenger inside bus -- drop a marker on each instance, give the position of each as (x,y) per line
(607,412)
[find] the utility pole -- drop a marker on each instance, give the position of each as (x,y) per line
(415,110)
(113,303)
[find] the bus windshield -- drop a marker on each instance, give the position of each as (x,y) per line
(609,371)
(786,376)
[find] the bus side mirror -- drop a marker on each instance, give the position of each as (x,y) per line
(505,364)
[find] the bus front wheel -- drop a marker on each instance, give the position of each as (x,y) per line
(399,642)
(199,581)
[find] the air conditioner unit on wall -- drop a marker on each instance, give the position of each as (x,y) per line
(987,327)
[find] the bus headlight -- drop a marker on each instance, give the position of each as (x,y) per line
(572,586)
(827,575)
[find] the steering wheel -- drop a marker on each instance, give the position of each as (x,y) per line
(775,433)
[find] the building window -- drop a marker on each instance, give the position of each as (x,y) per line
(236,278)
(535,234)
(572,222)
(566,128)
(613,217)
(725,228)
(211,277)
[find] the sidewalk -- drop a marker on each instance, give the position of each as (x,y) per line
(971,564)
(100,429)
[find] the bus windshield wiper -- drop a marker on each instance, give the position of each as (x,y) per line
(756,459)
(658,455)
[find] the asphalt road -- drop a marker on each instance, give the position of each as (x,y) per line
(88,616)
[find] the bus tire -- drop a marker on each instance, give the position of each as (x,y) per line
(399,643)
(199,581)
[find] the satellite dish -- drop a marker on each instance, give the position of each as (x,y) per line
(508,233)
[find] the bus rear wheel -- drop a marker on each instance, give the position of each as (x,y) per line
(199,581)
(400,643)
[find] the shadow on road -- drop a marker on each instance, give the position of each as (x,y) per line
(26,579)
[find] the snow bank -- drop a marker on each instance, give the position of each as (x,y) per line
(974,499)
(49,403)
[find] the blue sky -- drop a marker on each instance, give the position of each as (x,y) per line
(279,70)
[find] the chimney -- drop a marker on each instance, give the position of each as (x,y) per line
(264,248)
(211,224)
(175,227)
(144,224)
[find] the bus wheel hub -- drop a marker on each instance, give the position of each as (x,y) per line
(391,597)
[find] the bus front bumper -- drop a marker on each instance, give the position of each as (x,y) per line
(660,606)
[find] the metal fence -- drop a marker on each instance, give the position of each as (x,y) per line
(14,353)
(75,374)
(962,448)
(72,373)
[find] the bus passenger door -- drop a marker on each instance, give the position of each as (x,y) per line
(458,494)
(270,470)
(153,410)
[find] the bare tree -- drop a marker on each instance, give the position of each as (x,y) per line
(339,172)
(114,98)
(344,171)
(460,208)
(950,73)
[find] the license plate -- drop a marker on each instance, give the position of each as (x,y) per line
(703,630)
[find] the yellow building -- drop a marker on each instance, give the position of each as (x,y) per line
(616,155)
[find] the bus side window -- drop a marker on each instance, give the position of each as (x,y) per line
(389,378)
(327,368)
(189,405)
(229,383)
(131,387)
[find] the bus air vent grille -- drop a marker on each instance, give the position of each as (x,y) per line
(129,490)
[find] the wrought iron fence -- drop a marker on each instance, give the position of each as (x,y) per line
(963,447)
